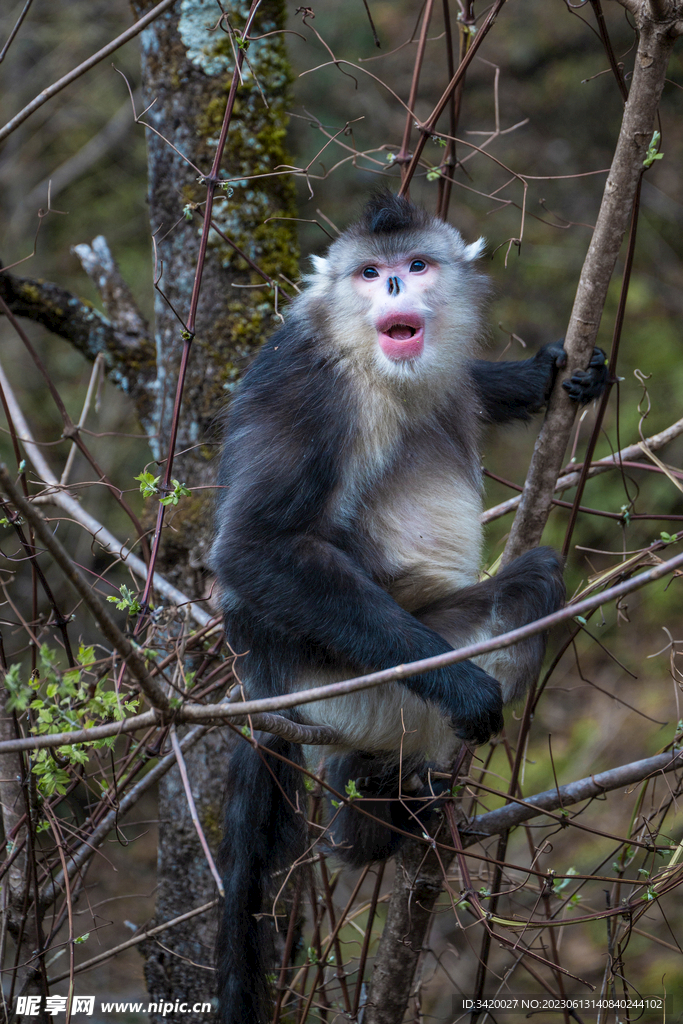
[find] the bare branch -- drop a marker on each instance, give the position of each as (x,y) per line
(85,851)
(199,712)
(130,358)
(149,933)
(633,452)
(213,714)
(13,33)
(256,712)
(62,499)
(518,811)
(67,79)
(101,267)
(193,811)
(654,49)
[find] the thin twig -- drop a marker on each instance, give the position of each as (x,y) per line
(62,499)
(570,479)
(193,811)
(67,79)
(149,933)
(216,712)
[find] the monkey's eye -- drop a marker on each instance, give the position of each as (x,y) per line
(417,266)
(370,272)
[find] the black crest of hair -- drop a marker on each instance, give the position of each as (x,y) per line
(348,538)
(385,213)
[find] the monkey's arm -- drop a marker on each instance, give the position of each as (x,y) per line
(513,390)
(305,588)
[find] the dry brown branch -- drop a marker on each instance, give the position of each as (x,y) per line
(79,857)
(241,709)
(193,811)
(577,608)
(419,883)
(213,714)
(421,874)
(654,49)
(491,892)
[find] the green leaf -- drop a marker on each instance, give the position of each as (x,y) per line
(652,153)
(127,602)
(148,484)
(179,491)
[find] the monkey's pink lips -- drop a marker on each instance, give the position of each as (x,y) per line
(401,335)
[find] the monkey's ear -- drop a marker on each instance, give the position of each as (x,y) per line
(319,264)
(474,251)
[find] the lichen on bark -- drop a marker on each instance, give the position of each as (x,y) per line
(188,61)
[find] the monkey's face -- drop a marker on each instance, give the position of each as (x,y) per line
(396,296)
(399,306)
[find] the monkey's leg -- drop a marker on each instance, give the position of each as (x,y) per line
(395,789)
(527,589)
(399,717)
(386,793)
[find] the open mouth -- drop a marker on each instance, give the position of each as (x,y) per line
(401,335)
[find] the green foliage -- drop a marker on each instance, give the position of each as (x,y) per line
(652,153)
(149,484)
(127,602)
(352,792)
(179,491)
(20,695)
(64,701)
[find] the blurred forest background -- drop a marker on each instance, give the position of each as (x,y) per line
(539,101)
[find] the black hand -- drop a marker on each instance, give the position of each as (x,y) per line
(585,385)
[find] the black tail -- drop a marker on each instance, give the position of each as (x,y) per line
(264,832)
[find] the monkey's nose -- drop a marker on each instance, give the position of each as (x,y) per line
(394,285)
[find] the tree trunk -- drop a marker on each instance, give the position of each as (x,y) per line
(187,65)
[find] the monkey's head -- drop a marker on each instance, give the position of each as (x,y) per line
(398,291)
